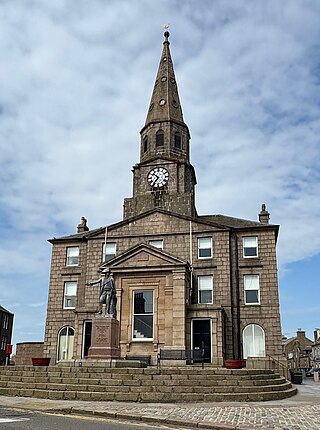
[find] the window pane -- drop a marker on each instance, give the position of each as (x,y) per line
(205,296)
(252,296)
(143,326)
(251,282)
(110,250)
(250,252)
(143,302)
(205,282)
(156,243)
(70,302)
(204,253)
(70,288)
(250,242)
(205,242)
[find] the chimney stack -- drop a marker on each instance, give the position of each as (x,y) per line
(264,215)
(82,226)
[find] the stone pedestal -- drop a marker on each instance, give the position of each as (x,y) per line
(104,339)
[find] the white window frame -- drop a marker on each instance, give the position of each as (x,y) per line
(249,286)
(157,243)
(203,239)
(256,351)
(142,339)
(248,238)
(69,296)
(112,247)
(69,262)
(203,278)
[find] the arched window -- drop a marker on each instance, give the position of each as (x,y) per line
(65,343)
(253,341)
(145,144)
(159,138)
(177,140)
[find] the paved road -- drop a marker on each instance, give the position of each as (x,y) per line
(17,420)
(301,412)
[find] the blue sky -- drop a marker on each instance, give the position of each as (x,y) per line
(76,82)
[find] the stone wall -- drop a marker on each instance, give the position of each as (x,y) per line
(25,351)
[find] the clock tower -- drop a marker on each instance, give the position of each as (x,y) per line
(164,177)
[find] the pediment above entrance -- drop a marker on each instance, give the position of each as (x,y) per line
(146,257)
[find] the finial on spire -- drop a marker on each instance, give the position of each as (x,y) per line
(166,33)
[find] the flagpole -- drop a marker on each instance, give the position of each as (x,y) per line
(105,244)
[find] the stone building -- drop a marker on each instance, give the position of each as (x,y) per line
(183,280)
(297,351)
(6,324)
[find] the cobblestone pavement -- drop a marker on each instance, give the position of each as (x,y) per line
(300,412)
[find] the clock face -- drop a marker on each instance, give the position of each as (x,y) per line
(158,177)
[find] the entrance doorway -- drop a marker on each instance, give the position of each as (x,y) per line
(86,341)
(201,337)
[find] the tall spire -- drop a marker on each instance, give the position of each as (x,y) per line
(165,103)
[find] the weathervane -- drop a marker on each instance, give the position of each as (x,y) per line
(166,33)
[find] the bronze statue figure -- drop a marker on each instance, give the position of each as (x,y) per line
(108,294)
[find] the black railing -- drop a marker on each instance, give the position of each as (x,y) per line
(188,355)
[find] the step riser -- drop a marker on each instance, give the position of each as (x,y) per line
(146,385)
(148,397)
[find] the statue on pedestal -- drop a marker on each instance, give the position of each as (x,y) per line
(108,294)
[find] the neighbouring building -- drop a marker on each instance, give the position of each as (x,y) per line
(6,325)
(297,351)
(183,280)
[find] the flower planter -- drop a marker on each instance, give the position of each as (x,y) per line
(41,361)
(233,364)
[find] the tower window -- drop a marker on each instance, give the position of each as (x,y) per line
(145,144)
(159,138)
(177,140)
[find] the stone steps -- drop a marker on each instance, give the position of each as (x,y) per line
(181,384)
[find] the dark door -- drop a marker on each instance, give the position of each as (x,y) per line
(201,338)
(86,337)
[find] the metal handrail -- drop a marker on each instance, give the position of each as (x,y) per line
(280,365)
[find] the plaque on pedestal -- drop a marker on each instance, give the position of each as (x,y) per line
(105,338)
